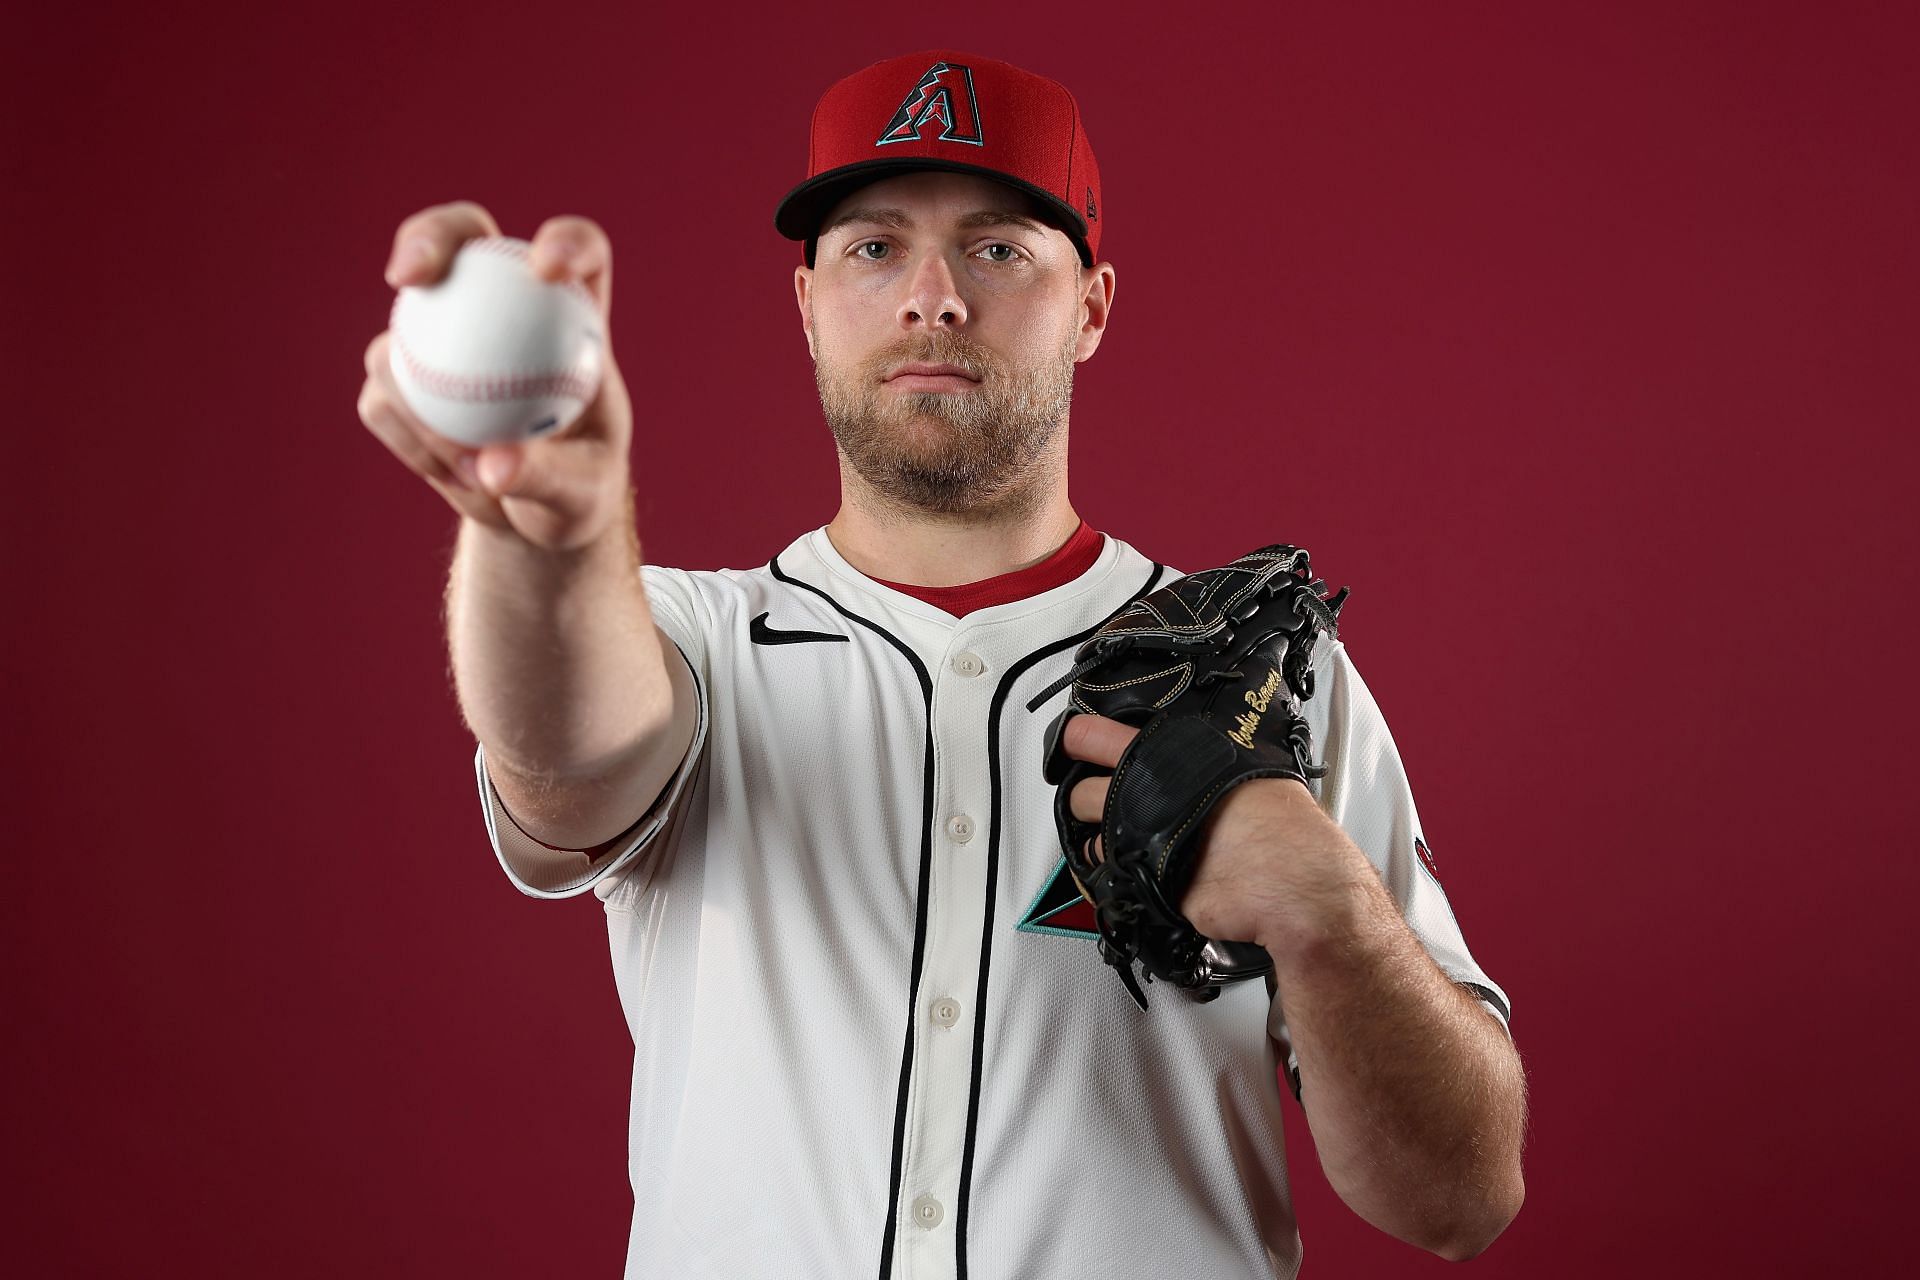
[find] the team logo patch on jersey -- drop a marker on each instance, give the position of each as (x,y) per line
(944,94)
(1060,910)
(1426,857)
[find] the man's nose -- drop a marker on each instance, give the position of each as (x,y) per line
(933,296)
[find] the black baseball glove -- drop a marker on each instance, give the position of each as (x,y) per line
(1213,668)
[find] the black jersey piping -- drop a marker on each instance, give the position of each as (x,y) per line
(1013,674)
(919,910)
(1491,996)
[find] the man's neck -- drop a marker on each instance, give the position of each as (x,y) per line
(938,550)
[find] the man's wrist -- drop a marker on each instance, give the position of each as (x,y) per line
(1335,898)
(1340,925)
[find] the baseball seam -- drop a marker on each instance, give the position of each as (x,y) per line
(470,389)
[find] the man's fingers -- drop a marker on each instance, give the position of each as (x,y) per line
(1097,739)
(385,411)
(385,420)
(1088,799)
(575,248)
(424,245)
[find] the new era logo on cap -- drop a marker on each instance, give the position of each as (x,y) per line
(944,95)
(944,110)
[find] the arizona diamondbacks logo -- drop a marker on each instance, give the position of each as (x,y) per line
(944,94)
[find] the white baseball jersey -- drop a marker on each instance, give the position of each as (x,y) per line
(872,1030)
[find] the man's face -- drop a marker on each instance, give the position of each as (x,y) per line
(945,269)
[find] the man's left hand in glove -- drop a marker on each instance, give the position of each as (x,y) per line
(1273,868)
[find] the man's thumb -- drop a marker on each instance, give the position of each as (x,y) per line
(498,465)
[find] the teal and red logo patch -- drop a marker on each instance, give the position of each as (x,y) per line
(1060,910)
(944,95)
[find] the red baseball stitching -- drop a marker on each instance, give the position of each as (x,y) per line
(478,390)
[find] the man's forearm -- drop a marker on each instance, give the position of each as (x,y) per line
(1415,1096)
(555,660)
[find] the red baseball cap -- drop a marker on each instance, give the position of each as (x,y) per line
(947,110)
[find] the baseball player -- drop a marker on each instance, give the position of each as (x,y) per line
(872,1027)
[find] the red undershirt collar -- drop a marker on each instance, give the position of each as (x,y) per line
(1074,558)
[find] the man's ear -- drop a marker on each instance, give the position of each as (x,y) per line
(803,295)
(1096,306)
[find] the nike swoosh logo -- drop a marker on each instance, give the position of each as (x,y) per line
(760,633)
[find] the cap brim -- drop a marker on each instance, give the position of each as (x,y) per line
(801,212)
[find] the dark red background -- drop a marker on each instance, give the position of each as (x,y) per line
(1579,340)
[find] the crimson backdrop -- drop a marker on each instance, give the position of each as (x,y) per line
(1578,339)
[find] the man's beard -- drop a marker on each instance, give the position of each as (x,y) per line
(946,452)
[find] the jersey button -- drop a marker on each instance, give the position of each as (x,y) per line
(960,827)
(946,1011)
(968,664)
(927,1212)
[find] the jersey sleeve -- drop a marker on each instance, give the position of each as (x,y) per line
(540,870)
(1367,793)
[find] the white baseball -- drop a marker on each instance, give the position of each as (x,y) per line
(492,354)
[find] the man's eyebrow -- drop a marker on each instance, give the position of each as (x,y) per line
(1000,218)
(897,218)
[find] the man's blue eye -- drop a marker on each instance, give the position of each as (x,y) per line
(1007,247)
(869,245)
